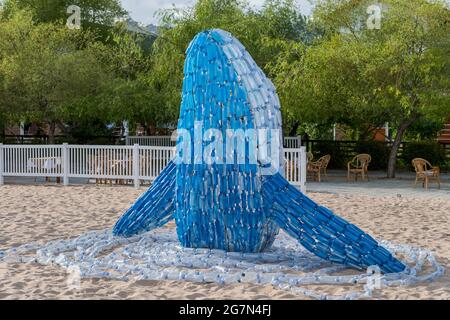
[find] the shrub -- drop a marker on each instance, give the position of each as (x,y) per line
(429,150)
(66,139)
(92,132)
(338,157)
(99,141)
(377,150)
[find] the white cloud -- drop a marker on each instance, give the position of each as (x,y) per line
(144,10)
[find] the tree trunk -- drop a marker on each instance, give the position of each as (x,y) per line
(51,132)
(293,131)
(396,145)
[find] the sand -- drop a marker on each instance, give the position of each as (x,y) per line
(43,213)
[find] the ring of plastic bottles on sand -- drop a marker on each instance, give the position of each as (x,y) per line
(157,255)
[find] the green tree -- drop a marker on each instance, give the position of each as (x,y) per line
(48,72)
(133,95)
(97,16)
(93,12)
(265,34)
(363,77)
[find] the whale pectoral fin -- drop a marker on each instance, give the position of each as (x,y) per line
(322,232)
(153,209)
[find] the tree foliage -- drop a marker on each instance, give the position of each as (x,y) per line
(364,77)
(266,34)
(93,12)
(329,69)
(47,70)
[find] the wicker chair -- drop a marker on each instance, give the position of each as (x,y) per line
(315,168)
(359,165)
(425,171)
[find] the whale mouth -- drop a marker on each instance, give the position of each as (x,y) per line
(158,256)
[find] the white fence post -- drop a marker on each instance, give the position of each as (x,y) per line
(2,180)
(299,141)
(136,165)
(65,154)
(302,169)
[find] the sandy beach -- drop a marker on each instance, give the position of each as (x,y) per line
(43,213)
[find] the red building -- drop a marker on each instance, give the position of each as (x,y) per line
(444,135)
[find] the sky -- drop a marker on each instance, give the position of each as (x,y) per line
(143,10)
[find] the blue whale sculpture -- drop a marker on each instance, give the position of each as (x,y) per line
(239,205)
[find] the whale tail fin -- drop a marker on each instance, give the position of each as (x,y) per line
(322,232)
(153,209)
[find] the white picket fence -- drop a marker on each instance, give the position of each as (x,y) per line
(160,141)
(295,167)
(167,141)
(292,142)
(134,163)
